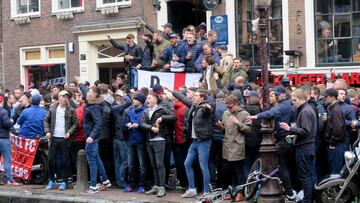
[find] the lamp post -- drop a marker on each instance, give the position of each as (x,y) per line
(271,190)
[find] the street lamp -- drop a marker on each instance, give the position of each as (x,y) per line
(271,190)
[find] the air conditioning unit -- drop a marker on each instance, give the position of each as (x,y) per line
(65,15)
(109,10)
(22,20)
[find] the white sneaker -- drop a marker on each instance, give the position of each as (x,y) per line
(190,193)
(292,197)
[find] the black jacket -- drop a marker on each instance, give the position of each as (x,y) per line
(335,130)
(202,117)
(306,125)
(118,113)
(147,123)
(5,124)
(253,140)
(93,119)
(134,51)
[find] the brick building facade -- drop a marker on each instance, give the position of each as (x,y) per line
(57,40)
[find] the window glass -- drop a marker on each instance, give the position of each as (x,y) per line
(43,75)
(114,1)
(32,55)
(342,25)
(324,7)
(337,29)
(56,53)
(65,4)
(356,50)
(248,40)
(27,6)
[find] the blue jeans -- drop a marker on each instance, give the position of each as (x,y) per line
(5,151)
(336,158)
(136,153)
(121,161)
(133,78)
(198,150)
(305,159)
(95,163)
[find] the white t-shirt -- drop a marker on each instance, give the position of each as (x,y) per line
(59,130)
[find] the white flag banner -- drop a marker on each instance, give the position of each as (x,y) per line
(170,80)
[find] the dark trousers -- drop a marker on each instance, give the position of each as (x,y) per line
(167,156)
(136,154)
(305,159)
(156,151)
(235,173)
(216,164)
(180,152)
(336,158)
(74,149)
(251,154)
(107,157)
(58,146)
(283,150)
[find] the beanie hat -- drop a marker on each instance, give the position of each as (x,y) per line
(158,89)
(140,97)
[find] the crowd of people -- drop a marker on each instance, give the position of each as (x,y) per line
(208,133)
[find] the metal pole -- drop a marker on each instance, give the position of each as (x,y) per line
(271,190)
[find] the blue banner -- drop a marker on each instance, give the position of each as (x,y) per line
(220,25)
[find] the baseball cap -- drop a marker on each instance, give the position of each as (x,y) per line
(63,93)
(174,35)
(331,93)
(167,25)
(279,90)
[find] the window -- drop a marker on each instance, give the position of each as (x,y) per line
(337,27)
(105,3)
(65,5)
(25,7)
(247,40)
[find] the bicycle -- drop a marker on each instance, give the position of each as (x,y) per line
(254,182)
(215,196)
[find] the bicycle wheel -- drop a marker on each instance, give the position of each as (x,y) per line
(255,170)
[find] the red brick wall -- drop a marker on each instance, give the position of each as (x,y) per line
(48,30)
(297,28)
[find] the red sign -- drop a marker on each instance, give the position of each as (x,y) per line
(296,79)
(23,151)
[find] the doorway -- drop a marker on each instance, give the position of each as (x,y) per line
(182,13)
(108,71)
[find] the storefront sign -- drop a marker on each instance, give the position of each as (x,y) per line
(23,153)
(296,79)
(220,25)
(210,4)
(54,81)
(170,80)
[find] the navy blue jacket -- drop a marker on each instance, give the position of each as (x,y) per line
(136,135)
(93,119)
(179,50)
(147,56)
(201,58)
(5,124)
(31,121)
(218,134)
(118,112)
(283,112)
(348,112)
(194,50)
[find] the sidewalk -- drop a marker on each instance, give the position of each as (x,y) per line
(37,193)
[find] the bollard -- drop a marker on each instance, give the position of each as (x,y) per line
(81,172)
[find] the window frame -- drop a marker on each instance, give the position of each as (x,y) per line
(15,14)
(55,7)
(100,4)
(239,21)
(333,15)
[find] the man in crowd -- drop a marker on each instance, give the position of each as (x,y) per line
(60,124)
(207,51)
(160,44)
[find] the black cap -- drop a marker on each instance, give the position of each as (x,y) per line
(331,93)
(168,25)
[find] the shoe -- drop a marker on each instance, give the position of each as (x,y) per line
(291,197)
(128,189)
(239,197)
(50,185)
(106,184)
(62,186)
(140,190)
(190,193)
(92,190)
(154,190)
(14,183)
(227,197)
(161,192)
